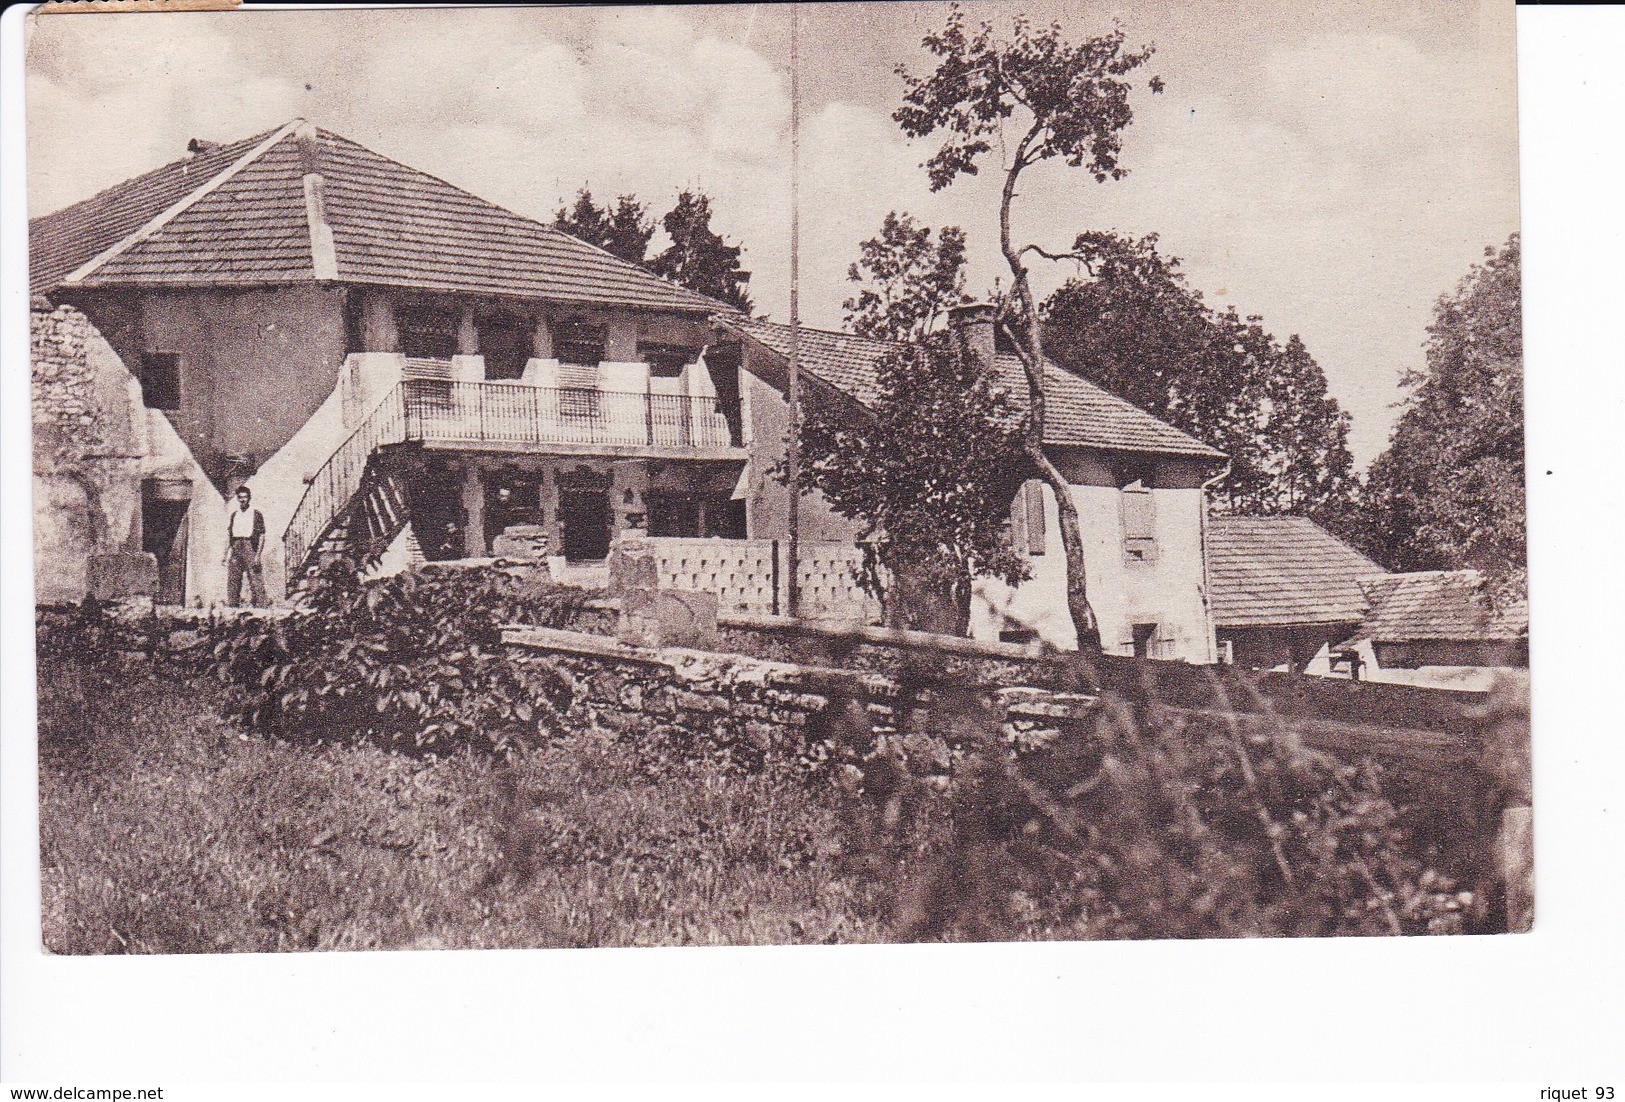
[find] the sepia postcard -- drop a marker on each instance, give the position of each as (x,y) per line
(777,474)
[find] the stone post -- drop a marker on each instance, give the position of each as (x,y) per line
(473,512)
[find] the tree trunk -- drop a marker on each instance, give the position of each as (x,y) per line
(1077,586)
(1029,339)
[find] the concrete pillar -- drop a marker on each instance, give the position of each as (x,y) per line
(378,332)
(621,338)
(473,512)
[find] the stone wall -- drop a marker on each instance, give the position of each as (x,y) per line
(96,449)
(89,440)
(725,706)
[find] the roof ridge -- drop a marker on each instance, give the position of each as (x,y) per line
(538,223)
(174,210)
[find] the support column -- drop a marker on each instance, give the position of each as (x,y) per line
(474,512)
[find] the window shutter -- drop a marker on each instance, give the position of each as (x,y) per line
(1139,513)
(574,376)
(1036,531)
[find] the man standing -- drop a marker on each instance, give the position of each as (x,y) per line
(246,528)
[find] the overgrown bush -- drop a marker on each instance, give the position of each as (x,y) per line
(1143,822)
(412,661)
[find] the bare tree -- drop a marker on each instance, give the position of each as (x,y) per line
(1073,103)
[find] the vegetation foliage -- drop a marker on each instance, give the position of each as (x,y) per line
(168,828)
(697,257)
(1066,101)
(1135,327)
(928,468)
(1448,493)
(907,280)
(411,661)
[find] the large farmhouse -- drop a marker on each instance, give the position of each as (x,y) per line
(396,366)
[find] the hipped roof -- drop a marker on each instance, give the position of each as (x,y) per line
(237,214)
(1079,413)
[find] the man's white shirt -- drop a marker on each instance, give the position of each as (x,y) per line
(242,523)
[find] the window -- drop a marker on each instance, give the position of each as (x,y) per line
(161,380)
(506,343)
(1027,523)
(578,342)
(427,333)
(1139,523)
(666,361)
(1153,641)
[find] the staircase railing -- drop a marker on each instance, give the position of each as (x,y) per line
(513,415)
(337,481)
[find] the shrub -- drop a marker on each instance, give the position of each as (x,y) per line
(1143,822)
(412,661)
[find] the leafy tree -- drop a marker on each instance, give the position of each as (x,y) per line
(623,230)
(1139,330)
(1066,101)
(908,279)
(1449,491)
(699,258)
(929,469)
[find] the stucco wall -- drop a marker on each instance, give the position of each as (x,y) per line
(1166,592)
(254,364)
(767,414)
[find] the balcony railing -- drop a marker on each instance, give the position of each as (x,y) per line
(517,414)
(512,415)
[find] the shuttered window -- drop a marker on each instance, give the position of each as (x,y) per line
(1027,525)
(578,342)
(579,389)
(1033,495)
(1139,523)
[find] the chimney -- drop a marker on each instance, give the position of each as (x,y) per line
(973,325)
(323,257)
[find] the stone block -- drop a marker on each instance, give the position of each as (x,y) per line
(525,542)
(115,575)
(668,618)
(632,566)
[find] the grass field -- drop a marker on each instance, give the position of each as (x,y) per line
(165,830)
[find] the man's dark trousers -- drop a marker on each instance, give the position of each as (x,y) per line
(244,560)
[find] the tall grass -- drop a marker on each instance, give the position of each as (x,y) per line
(166,830)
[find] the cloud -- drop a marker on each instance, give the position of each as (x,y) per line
(1335,177)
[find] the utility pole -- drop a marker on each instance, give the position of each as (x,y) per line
(793,458)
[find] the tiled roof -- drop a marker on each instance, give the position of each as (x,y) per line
(1269,571)
(1437,605)
(237,218)
(60,242)
(1079,413)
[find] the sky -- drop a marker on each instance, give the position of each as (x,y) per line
(1333,167)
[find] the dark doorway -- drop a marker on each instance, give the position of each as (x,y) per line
(692,515)
(436,503)
(163,535)
(511,498)
(584,524)
(505,342)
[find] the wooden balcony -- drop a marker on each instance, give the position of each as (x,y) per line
(516,417)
